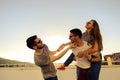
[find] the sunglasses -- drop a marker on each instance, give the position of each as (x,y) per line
(38,42)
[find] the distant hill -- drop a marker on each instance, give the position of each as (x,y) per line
(8,61)
(13,63)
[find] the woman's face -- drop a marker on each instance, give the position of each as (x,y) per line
(89,24)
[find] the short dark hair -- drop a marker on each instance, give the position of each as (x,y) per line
(30,41)
(76,32)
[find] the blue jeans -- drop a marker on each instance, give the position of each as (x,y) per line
(52,78)
(95,69)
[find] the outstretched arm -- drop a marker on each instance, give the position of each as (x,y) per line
(54,58)
(52,53)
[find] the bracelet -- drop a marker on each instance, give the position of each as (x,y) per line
(91,60)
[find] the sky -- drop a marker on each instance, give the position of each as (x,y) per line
(51,20)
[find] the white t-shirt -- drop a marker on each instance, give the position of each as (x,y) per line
(83,61)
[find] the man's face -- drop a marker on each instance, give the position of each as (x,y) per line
(38,43)
(72,37)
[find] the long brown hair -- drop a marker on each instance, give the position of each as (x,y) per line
(95,32)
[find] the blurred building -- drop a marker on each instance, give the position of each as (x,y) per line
(115,58)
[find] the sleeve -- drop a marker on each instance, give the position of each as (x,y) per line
(69,59)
